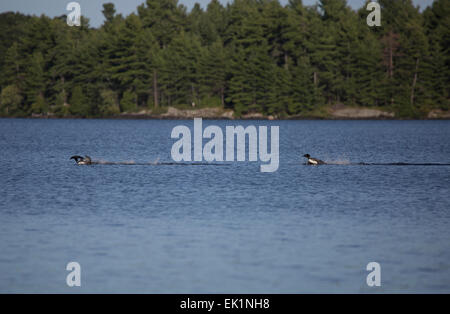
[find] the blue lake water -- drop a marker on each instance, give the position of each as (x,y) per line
(226,228)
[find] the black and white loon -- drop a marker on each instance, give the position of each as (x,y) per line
(314,161)
(82,160)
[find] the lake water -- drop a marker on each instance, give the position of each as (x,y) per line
(224,228)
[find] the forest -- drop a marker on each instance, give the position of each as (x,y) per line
(249,56)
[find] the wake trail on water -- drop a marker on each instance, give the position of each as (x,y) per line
(341,163)
(152,163)
(403,164)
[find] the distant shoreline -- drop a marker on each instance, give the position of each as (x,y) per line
(149,117)
(336,112)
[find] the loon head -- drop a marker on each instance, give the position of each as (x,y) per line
(307,156)
(77,158)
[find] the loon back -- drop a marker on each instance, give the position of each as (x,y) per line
(314,161)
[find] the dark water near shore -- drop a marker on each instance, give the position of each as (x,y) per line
(140,227)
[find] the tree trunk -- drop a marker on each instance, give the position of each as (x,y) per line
(155,89)
(286,60)
(64,91)
(315,78)
(414,82)
(391,66)
(391,57)
(222,95)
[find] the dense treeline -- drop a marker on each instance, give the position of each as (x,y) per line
(252,56)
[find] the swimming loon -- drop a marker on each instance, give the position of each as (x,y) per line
(82,160)
(314,161)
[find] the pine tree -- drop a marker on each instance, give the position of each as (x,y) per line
(148,67)
(437,29)
(214,22)
(13,27)
(276,28)
(213,68)
(34,83)
(321,49)
(124,65)
(11,73)
(109,11)
(179,76)
(165,18)
(405,50)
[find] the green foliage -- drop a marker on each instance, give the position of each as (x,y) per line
(213,65)
(12,26)
(251,56)
(109,11)
(437,30)
(10,100)
(39,106)
(128,102)
(79,105)
(34,83)
(159,110)
(210,102)
(109,103)
(61,108)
